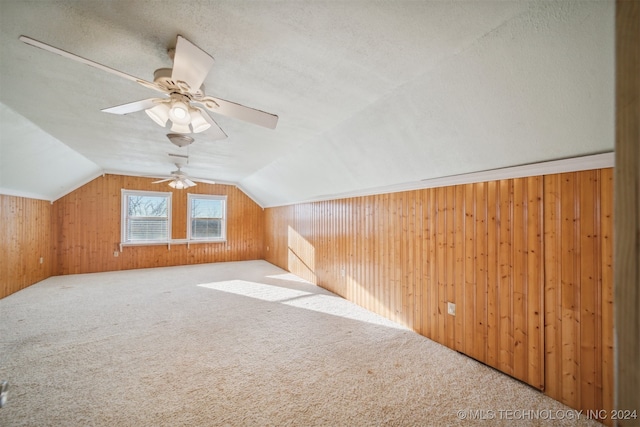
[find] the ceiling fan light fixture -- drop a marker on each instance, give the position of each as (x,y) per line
(179,113)
(179,128)
(159,114)
(198,122)
(178,184)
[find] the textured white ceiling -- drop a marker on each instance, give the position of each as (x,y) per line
(369,93)
(36,165)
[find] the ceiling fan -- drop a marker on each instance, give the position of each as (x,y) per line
(184,102)
(180,180)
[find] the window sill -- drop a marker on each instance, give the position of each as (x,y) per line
(170,242)
(192,241)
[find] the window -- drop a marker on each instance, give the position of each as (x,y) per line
(146,217)
(207,217)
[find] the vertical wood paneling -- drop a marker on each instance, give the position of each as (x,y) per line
(578,288)
(519,282)
(535,280)
(526,261)
(590,291)
(88,226)
(493,318)
(569,289)
(470,314)
(459,288)
(418,249)
(431,314)
(505,279)
(277,223)
(25,236)
(441,257)
(480,314)
(395,218)
(370,268)
(606,268)
(552,270)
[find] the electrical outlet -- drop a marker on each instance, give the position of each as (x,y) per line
(267,248)
(451,308)
(41,260)
(343,272)
(116,254)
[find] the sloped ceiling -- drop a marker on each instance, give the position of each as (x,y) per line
(369,93)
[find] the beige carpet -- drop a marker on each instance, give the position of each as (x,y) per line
(236,344)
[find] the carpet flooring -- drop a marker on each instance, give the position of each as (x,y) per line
(236,344)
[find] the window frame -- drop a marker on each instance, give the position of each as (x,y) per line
(190,199)
(124,216)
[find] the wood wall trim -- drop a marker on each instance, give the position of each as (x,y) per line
(627,208)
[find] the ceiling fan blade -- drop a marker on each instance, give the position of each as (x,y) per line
(237,111)
(132,107)
(204,181)
(68,55)
(214,131)
(189,182)
(163,180)
(190,64)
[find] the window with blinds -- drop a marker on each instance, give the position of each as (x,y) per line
(207,217)
(146,216)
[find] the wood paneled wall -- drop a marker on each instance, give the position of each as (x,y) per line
(579,288)
(25,237)
(483,247)
(88,224)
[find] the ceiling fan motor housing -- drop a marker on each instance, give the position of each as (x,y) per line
(179,139)
(162,78)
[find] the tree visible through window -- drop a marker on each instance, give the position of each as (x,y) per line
(146,216)
(207,217)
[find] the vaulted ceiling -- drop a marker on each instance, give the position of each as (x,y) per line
(369,94)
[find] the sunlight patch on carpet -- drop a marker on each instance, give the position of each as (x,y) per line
(321,303)
(290,277)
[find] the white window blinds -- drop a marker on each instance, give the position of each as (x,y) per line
(146,216)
